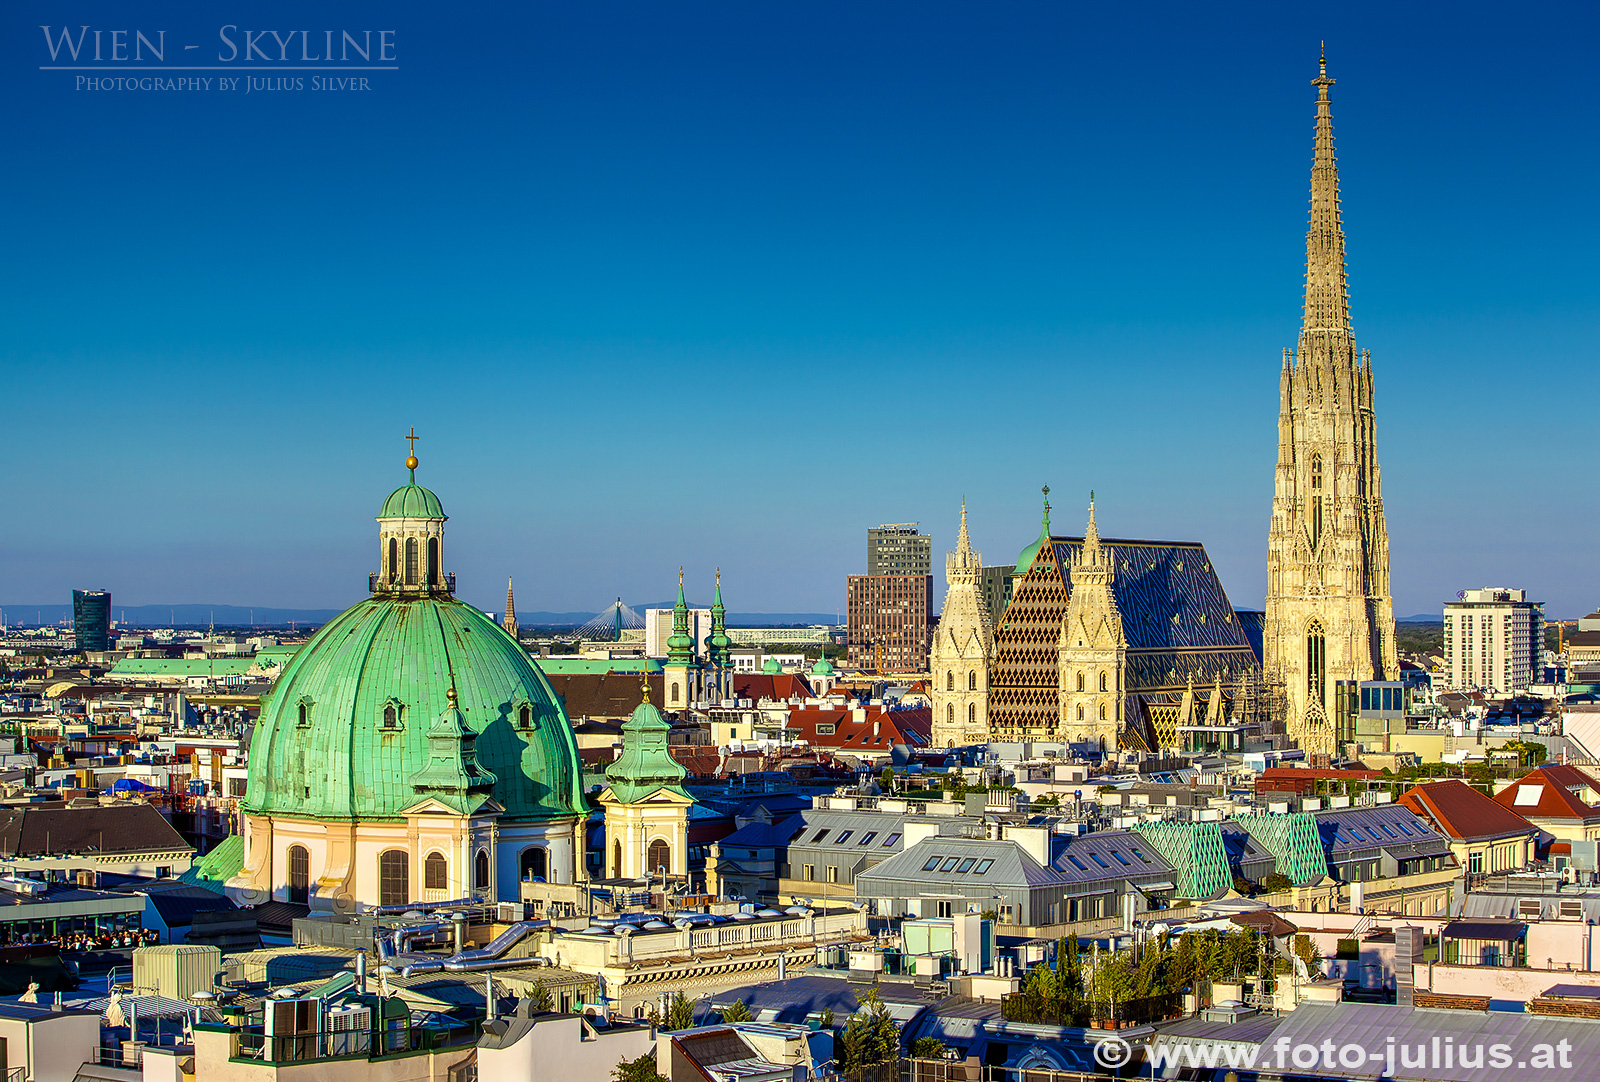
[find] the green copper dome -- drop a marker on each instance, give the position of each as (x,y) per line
(823,667)
(771,666)
(363,723)
(412,501)
(1026,557)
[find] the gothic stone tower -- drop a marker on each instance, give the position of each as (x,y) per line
(1329,614)
(1092,649)
(959,660)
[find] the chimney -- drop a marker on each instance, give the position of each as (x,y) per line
(1035,841)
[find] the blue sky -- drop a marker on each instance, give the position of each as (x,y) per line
(726,284)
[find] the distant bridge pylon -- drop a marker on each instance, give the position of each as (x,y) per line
(609,624)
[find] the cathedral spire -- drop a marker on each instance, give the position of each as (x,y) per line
(1091,538)
(510,621)
(1327,297)
(680,647)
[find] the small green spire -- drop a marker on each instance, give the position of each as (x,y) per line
(718,644)
(680,647)
(1031,553)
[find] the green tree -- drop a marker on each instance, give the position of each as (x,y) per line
(825,1019)
(737,1012)
(539,997)
(642,1069)
(927,1048)
(680,1013)
(1276,881)
(886,779)
(869,1038)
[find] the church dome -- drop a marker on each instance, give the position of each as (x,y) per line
(411,501)
(345,734)
(771,666)
(823,667)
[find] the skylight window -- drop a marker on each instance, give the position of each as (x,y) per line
(933,862)
(1402,828)
(1528,795)
(1142,858)
(866,839)
(1385,828)
(950,865)
(890,840)
(1096,858)
(966,865)
(844,836)
(819,835)
(983,866)
(1122,860)
(1078,864)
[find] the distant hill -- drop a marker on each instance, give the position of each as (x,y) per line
(236,616)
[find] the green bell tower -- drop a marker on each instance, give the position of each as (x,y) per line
(681,668)
(719,650)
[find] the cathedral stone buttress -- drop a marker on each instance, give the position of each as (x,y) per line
(1330,617)
(959,659)
(1092,649)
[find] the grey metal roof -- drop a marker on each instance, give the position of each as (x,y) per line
(1349,832)
(1120,854)
(1372,1027)
(986,863)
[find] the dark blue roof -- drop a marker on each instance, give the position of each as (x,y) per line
(1168,593)
(1386,826)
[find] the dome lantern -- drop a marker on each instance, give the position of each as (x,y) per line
(411,539)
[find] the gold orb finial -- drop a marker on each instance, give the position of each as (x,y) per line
(411,462)
(411,456)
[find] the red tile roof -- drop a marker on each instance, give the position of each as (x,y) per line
(877,731)
(1460,811)
(1546,792)
(778,687)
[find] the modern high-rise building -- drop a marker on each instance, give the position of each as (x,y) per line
(1493,639)
(898,549)
(994,583)
(1329,614)
(658,629)
(91,619)
(886,622)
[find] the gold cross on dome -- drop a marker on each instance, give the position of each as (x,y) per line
(413,438)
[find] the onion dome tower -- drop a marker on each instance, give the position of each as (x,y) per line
(411,751)
(681,668)
(646,805)
(719,649)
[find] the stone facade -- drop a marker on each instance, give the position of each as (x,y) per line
(1092,649)
(959,658)
(1329,615)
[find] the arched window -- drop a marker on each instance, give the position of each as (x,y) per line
(480,870)
(391,716)
(1316,663)
(1102,680)
(950,680)
(658,857)
(299,875)
(433,561)
(950,713)
(305,715)
(1316,500)
(411,561)
(525,716)
(1080,681)
(972,679)
(616,860)
(394,877)
(674,691)
(972,713)
(1102,711)
(394,559)
(435,872)
(1080,711)
(534,865)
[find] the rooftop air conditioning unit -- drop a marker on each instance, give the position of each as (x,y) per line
(1571,909)
(508,912)
(1530,908)
(349,1019)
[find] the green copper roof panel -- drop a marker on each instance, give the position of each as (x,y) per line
(345,762)
(1293,839)
(412,501)
(1196,853)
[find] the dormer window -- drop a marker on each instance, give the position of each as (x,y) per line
(394,715)
(304,713)
(524,715)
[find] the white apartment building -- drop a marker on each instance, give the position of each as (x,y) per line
(1493,640)
(658,629)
